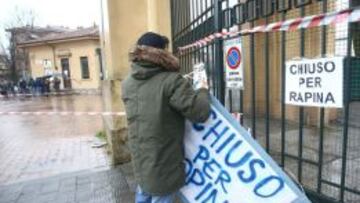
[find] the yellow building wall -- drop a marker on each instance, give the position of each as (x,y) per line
(123,23)
(76,49)
(37,55)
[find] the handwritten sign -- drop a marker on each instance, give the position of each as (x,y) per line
(225,165)
(315,82)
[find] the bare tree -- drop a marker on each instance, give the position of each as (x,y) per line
(5,54)
(21,18)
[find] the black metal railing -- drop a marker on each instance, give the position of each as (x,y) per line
(320,146)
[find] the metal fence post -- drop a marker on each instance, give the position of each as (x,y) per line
(219,66)
(347,93)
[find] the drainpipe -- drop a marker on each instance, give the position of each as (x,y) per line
(53,54)
(54,57)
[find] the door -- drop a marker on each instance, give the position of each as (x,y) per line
(66,73)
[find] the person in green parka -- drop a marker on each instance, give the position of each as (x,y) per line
(158,100)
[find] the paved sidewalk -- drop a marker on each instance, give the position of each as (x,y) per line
(105,186)
(34,147)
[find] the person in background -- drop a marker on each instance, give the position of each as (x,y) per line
(3,88)
(37,86)
(47,86)
(22,85)
(157,100)
(31,85)
(42,85)
(57,84)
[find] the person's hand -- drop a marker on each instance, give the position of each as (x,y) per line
(204,84)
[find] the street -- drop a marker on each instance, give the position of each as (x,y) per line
(35,147)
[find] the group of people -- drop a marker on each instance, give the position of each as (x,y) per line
(39,86)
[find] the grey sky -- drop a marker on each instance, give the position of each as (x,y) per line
(71,13)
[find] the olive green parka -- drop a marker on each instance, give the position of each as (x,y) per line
(157,101)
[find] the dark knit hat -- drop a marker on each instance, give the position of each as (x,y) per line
(153,40)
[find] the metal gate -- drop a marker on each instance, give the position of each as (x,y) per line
(319,146)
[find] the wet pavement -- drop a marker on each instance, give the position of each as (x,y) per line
(33,147)
(47,159)
(50,158)
(103,186)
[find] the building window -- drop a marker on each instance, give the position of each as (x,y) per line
(85,74)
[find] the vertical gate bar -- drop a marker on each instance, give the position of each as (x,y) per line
(207,65)
(181,16)
(193,36)
(177,16)
(202,28)
(173,24)
(175,20)
(189,37)
(283,106)
(179,19)
(185,31)
(188,60)
(347,92)
(219,52)
(301,109)
(188,24)
(241,99)
(197,30)
(216,71)
(229,90)
(241,107)
(176,38)
(213,77)
(192,33)
(253,87)
(181,40)
(267,89)
(191,57)
(322,110)
(207,46)
(230,101)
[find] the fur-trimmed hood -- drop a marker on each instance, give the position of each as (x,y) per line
(158,57)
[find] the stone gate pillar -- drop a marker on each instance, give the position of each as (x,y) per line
(123,22)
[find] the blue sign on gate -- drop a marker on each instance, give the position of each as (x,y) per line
(233,57)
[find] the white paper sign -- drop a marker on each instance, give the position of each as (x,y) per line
(233,60)
(315,82)
(47,67)
(225,165)
(199,75)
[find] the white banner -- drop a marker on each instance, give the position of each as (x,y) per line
(233,60)
(224,164)
(315,82)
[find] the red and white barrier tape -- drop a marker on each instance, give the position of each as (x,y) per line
(85,92)
(331,18)
(61,113)
(237,116)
